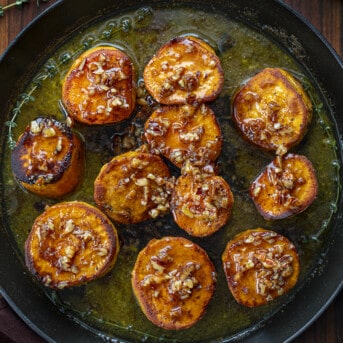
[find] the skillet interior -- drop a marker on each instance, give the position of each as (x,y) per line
(62,20)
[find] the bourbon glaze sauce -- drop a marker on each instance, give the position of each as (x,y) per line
(108,304)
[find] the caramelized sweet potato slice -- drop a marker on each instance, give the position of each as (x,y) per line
(133,187)
(260,265)
(272,110)
(184,70)
(173,280)
(100,87)
(184,133)
(286,187)
(201,203)
(48,158)
(71,243)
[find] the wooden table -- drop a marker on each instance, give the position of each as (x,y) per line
(327,17)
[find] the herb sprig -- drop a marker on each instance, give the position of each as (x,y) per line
(17,3)
(52,67)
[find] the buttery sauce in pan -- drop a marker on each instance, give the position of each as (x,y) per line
(108,303)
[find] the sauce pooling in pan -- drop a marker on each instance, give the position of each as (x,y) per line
(108,304)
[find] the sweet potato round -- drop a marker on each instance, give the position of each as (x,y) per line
(48,158)
(184,133)
(201,204)
(260,265)
(184,70)
(272,110)
(133,187)
(100,87)
(71,243)
(173,280)
(287,186)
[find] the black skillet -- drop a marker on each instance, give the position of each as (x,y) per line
(47,32)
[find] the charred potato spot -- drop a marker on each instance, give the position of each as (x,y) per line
(286,187)
(272,110)
(201,203)
(133,187)
(100,87)
(184,70)
(173,280)
(71,243)
(184,133)
(48,158)
(260,265)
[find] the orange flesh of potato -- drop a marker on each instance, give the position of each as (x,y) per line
(260,265)
(133,187)
(184,133)
(184,70)
(173,280)
(71,243)
(99,88)
(272,110)
(48,158)
(286,187)
(201,204)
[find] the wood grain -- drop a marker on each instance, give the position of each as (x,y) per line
(16,18)
(327,17)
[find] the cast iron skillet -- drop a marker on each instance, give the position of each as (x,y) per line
(48,31)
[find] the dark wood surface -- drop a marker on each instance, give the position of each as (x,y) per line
(327,17)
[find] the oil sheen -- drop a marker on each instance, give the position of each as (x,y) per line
(108,304)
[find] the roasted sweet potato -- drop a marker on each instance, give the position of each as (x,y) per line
(48,158)
(272,110)
(184,70)
(201,203)
(260,265)
(133,187)
(100,87)
(287,186)
(173,280)
(184,133)
(71,243)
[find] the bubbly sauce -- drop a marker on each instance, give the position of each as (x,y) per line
(108,304)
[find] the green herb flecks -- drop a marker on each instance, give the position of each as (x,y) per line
(52,67)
